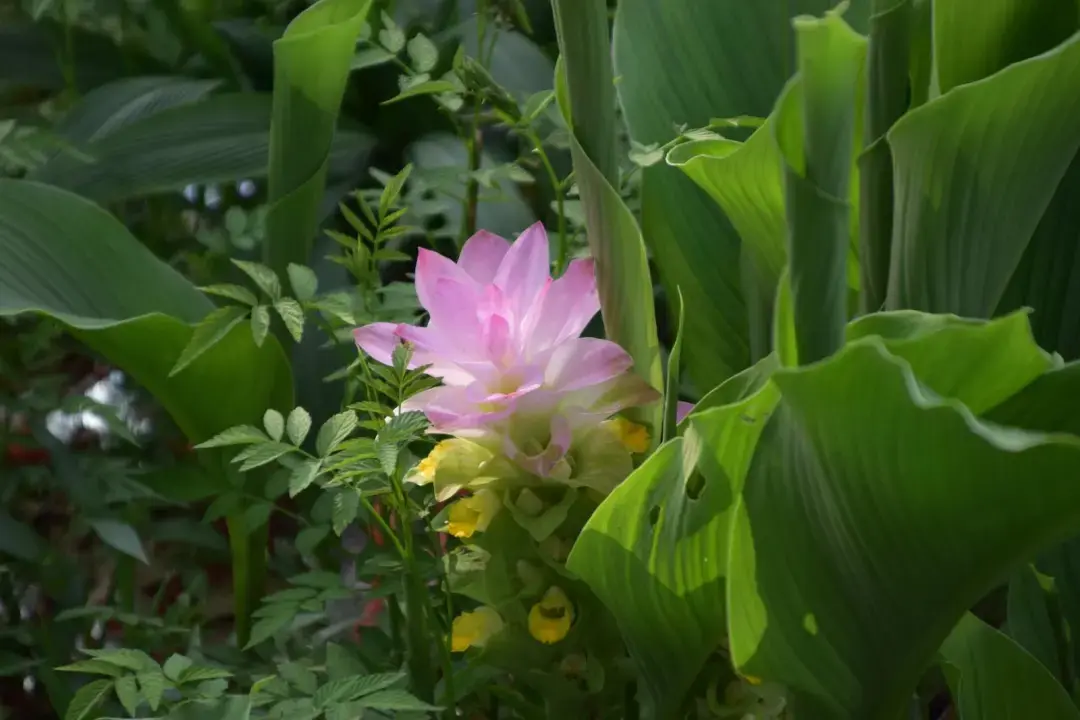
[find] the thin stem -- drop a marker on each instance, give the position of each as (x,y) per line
(564,244)
(384,526)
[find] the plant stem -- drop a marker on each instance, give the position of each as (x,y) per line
(563,250)
(474,142)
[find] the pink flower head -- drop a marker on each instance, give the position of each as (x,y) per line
(503,337)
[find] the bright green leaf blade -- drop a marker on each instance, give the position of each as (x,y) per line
(837,492)
(224,137)
(311,67)
(974,39)
(734,57)
(623,280)
(662,576)
(671,382)
(993,678)
(958,255)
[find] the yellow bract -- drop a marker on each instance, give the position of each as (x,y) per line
(474,629)
(634,437)
(473,514)
(551,618)
(427,466)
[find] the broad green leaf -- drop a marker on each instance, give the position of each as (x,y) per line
(118,298)
(974,39)
(175,666)
(1031,621)
(152,686)
(993,678)
(662,578)
(860,468)
(623,281)
(120,536)
(221,138)
(958,255)
(311,67)
(734,57)
(671,382)
(87,699)
(423,53)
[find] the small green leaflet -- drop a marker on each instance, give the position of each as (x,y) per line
(303,282)
(274,423)
(209,332)
(87,699)
(239,435)
(298,425)
(262,276)
(334,431)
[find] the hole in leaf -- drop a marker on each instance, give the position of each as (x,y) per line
(654,516)
(694,485)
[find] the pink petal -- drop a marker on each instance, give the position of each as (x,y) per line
(378,340)
(583,362)
(682,409)
(601,401)
(429,348)
(432,270)
(481,256)
(525,269)
(450,409)
(568,305)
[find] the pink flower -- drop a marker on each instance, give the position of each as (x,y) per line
(682,409)
(503,337)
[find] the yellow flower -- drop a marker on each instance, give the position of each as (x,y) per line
(427,466)
(452,465)
(551,618)
(634,437)
(473,514)
(474,629)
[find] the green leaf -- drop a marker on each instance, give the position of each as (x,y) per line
(87,699)
(311,66)
(260,324)
(993,678)
(342,663)
(303,475)
(346,505)
(334,431)
(423,53)
(19,539)
(201,674)
(239,435)
(292,315)
(268,626)
(298,425)
(959,256)
(671,387)
(394,700)
(152,687)
(308,539)
(120,536)
(94,667)
(262,276)
(233,292)
(221,138)
(615,240)
(1032,624)
(351,688)
(259,455)
(127,658)
(175,666)
(127,692)
(274,424)
(212,330)
(303,281)
(229,707)
(428,87)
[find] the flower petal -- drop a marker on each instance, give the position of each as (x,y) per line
(582,362)
(432,270)
(378,340)
(525,269)
(568,305)
(682,409)
(481,256)
(451,409)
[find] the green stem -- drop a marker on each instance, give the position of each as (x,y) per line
(563,250)
(248,549)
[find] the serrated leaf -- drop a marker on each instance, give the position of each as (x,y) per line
(269,626)
(274,424)
(212,688)
(93,667)
(127,692)
(320,579)
(346,505)
(299,676)
(121,536)
(215,326)
(388,457)
(258,455)
(422,53)
(127,658)
(262,276)
(388,255)
(395,700)
(298,425)
(303,475)
(256,515)
(341,663)
(202,673)
(334,431)
(403,426)
(292,315)
(260,323)
(303,281)
(239,435)
(351,688)
(176,665)
(233,292)
(152,686)
(392,192)
(87,699)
